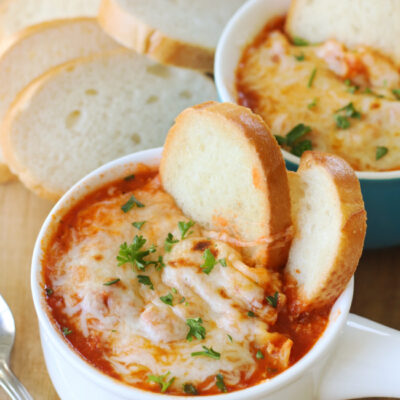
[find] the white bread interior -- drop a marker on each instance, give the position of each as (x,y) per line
(82,114)
(330,223)
(356,22)
(225,170)
(180,32)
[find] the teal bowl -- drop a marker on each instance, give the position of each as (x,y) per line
(381,190)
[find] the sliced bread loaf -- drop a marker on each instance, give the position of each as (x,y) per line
(329,220)
(36,49)
(225,170)
(357,22)
(180,32)
(84,113)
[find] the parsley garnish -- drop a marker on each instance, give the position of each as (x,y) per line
(169,242)
(49,291)
(380,152)
(350,111)
(299,57)
(188,388)
(298,41)
(251,314)
(159,264)
(132,202)
(259,355)
(138,224)
(66,331)
(109,283)
(133,254)
(222,261)
(312,77)
(312,104)
(351,88)
(273,300)
(208,352)
(301,147)
(167,299)
(129,177)
(220,383)
(342,122)
(396,93)
(196,329)
(230,338)
(280,139)
(209,262)
(145,280)
(296,133)
(184,227)
(162,381)
(174,291)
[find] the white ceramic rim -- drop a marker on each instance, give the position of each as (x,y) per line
(337,317)
(222,54)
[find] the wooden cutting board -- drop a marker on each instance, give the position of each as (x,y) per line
(22,214)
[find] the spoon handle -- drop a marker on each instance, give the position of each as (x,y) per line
(10,383)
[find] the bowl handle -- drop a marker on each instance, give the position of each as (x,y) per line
(365,363)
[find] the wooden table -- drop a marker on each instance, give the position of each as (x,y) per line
(377,289)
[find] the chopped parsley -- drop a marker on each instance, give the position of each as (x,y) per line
(208,352)
(380,152)
(49,291)
(132,202)
(230,338)
(145,280)
(301,147)
(184,227)
(169,242)
(222,261)
(259,355)
(312,77)
(298,41)
(162,381)
(220,383)
(209,262)
(196,329)
(167,299)
(296,133)
(312,104)
(66,331)
(174,291)
(112,282)
(189,388)
(159,264)
(273,300)
(299,57)
(343,114)
(396,93)
(138,224)
(350,111)
(280,139)
(251,314)
(129,178)
(134,253)
(350,87)
(293,136)
(341,121)
(182,300)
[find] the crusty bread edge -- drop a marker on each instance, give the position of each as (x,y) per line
(135,34)
(277,186)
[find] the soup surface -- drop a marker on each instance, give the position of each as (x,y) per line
(324,97)
(150,298)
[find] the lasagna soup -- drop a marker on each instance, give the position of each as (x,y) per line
(149,298)
(324,97)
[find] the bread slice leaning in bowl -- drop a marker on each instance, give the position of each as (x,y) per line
(36,49)
(183,33)
(357,22)
(82,114)
(330,223)
(225,170)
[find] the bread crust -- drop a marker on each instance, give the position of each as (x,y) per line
(275,182)
(135,34)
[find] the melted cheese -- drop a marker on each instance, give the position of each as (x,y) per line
(275,84)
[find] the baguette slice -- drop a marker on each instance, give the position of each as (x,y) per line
(36,49)
(180,32)
(330,223)
(357,22)
(84,113)
(16,15)
(225,170)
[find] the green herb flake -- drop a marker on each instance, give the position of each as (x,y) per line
(273,300)
(301,147)
(209,262)
(189,388)
(162,381)
(251,314)
(298,41)
(312,77)
(380,152)
(342,122)
(66,331)
(296,133)
(138,224)
(132,202)
(174,291)
(350,111)
(145,280)
(312,104)
(167,299)
(299,57)
(196,329)
(49,291)
(112,282)
(259,355)
(280,139)
(169,242)
(396,93)
(230,338)
(159,264)
(220,383)
(222,261)
(208,352)
(134,253)
(350,87)
(184,227)
(129,178)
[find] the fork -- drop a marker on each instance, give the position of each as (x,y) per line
(8,381)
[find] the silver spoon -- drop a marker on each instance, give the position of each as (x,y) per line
(8,380)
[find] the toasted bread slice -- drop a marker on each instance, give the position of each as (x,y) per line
(84,113)
(182,33)
(225,170)
(330,223)
(36,49)
(357,22)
